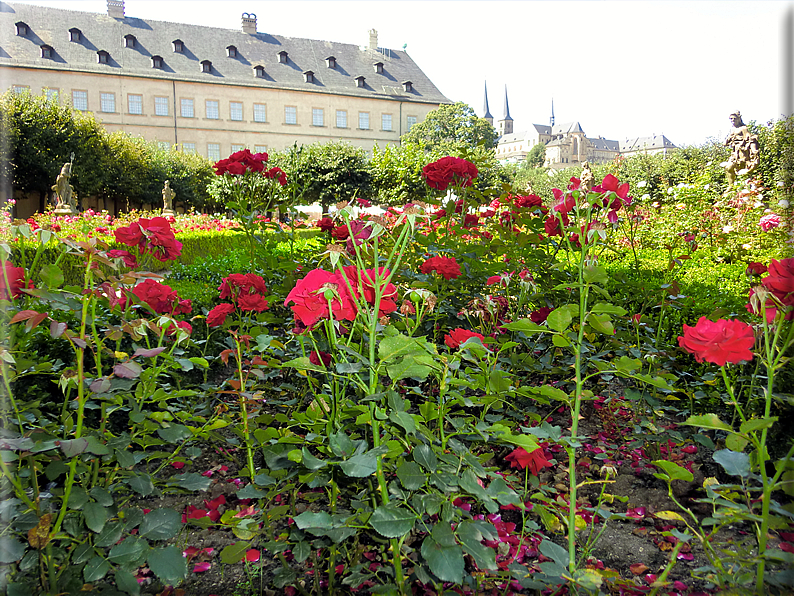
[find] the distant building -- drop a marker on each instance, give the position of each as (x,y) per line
(653,145)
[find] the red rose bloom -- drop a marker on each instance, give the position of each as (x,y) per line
(458,336)
(340,233)
(129,259)
(240,162)
(540,315)
(365,287)
(521,458)
(217,316)
(153,236)
(326,224)
(719,341)
(309,303)
(161,298)
(277,174)
(320,358)
(14,277)
(241,284)
(252,302)
(780,280)
(449,170)
(446,267)
(755,268)
(528,201)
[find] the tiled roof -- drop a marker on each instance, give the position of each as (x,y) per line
(50,26)
(646,143)
(604,144)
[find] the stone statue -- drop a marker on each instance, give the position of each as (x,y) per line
(587,180)
(66,200)
(744,149)
(168,199)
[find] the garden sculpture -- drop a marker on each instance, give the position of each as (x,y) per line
(587,180)
(66,202)
(168,199)
(744,149)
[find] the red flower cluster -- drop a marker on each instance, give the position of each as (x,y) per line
(780,283)
(326,224)
(459,336)
(161,298)
(16,281)
(241,162)
(446,267)
(153,236)
(719,341)
(528,201)
(276,174)
(245,290)
(449,170)
(363,285)
(610,184)
(309,301)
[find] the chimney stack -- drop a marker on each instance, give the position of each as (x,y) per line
(116,9)
(373,39)
(249,23)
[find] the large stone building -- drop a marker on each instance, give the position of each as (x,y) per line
(566,144)
(213,90)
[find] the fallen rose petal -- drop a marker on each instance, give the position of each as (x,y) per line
(190,551)
(689,449)
(785,546)
(252,555)
(638,568)
(202,567)
(178,464)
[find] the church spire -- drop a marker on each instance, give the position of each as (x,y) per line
(506,123)
(507,108)
(487,114)
(551,120)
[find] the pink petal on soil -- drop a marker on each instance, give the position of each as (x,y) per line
(178,464)
(252,555)
(202,567)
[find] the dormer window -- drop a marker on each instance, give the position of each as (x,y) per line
(102,57)
(22,29)
(408,86)
(360,82)
(259,71)
(283,57)
(129,40)
(308,76)
(378,67)
(330,62)
(179,46)
(75,34)
(46,51)
(231,51)
(157,61)
(206,66)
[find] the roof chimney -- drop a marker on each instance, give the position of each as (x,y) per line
(116,9)
(249,23)
(373,39)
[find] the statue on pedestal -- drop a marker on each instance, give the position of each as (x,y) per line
(587,179)
(744,149)
(168,199)
(66,201)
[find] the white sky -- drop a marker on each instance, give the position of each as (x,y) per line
(620,69)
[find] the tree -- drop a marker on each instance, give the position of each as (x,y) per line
(397,174)
(536,156)
(450,128)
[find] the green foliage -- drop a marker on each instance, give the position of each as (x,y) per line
(397,174)
(451,128)
(536,156)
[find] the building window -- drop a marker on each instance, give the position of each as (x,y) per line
(189,147)
(20,89)
(318,117)
(260,113)
(102,57)
(308,76)
(135,104)
(385,122)
(213,109)
(46,51)
(206,66)
(179,47)
(213,151)
(187,108)
(283,57)
(107,102)
(129,41)
(290,115)
(410,121)
(341,118)
(164,145)
(259,71)
(157,61)
(236,148)
(80,100)
(231,51)
(51,94)
(260,148)
(22,29)
(378,67)
(330,62)
(363,120)
(236,111)
(408,86)
(75,34)
(360,82)
(161,106)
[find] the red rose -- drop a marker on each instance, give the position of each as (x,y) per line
(252,302)
(326,224)
(755,268)
(456,337)
(217,316)
(540,315)
(446,267)
(360,232)
(240,162)
(12,280)
(340,233)
(310,303)
(363,284)
(160,298)
(237,285)
(277,174)
(521,458)
(719,341)
(129,259)
(320,358)
(151,235)
(449,170)
(780,280)
(528,201)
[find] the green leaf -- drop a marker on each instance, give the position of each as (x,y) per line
(559,319)
(234,553)
(554,552)
(168,564)
(757,424)
(249,491)
(605,307)
(191,481)
(403,419)
(314,522)
(348,368)
(736,442)
(674,471)
(446,562)
(303,363)
(102,496)
(141,483)
(73,447)
(411,475)
(735,464)
(595,274)
(95,569)
(707,421)
(52,276)
(130,553)
(175,433)
(95,516)
(364,464)
(424,456)
(602,323)
(471,539)
(127,582)
(391,521)
(625,364)
(78,497)
(560,340)
(161,524)
(311,462)
(524,326)
(110,534)
(11,550)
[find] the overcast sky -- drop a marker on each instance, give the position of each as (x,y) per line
(621,69)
